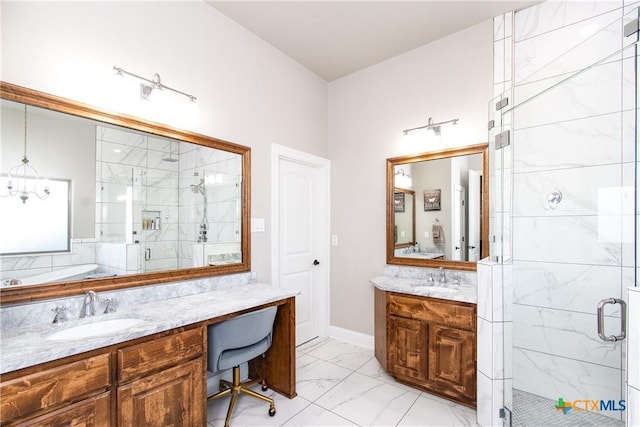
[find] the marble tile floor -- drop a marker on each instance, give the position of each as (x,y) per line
(342,384)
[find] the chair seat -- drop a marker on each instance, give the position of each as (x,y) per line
(230,358)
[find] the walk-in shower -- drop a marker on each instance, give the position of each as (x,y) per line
(564,223)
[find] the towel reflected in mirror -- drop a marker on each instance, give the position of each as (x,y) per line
(438,235)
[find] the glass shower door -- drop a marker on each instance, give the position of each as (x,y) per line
(565,218)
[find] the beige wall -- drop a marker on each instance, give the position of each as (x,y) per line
(248,92)
(450,78)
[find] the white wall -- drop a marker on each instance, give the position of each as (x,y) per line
(248,92)
(446,79)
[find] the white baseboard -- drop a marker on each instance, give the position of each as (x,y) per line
(354,337)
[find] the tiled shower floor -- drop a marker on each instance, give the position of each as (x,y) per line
(532,410)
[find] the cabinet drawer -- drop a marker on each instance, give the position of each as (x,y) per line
(89,412)
(451,313)
(52,387)
(159,353)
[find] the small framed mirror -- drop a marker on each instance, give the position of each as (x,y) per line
(438,208)
(404,215)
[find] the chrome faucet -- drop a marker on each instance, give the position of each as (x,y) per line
(456,279)
(109,306)
(61,313)
(89,304)
(443,278)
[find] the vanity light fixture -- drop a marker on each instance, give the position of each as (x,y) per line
(153,87)
(403,179)
(431,125)
(23,179)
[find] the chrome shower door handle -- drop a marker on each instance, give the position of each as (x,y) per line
(623,320)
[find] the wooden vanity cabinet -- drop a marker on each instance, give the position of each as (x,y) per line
(430,343)
(157,381)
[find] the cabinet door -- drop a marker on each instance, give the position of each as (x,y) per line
(452,362)
(92,412)
(407,352)
(173,397)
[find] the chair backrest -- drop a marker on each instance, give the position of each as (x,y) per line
(239,332)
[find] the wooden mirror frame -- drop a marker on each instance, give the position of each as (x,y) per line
(484,226)
(34,98)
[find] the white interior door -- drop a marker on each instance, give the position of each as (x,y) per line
(301,240)
(473,241)
(458,247)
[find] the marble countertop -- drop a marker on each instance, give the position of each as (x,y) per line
(27,346)
(415,286)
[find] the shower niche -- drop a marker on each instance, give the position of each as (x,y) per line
(151,220)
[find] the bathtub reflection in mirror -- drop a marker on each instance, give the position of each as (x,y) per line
(133,208)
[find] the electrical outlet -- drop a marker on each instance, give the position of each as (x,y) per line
(334,240)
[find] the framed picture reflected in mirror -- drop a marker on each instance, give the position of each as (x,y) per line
(431,200)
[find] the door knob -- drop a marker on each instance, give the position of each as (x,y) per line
(316,262)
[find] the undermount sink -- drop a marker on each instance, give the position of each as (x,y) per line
(90,330)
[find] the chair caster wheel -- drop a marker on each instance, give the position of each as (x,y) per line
(265,387)
(272,411)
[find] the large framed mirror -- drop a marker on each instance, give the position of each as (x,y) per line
(144,203)
(438,208)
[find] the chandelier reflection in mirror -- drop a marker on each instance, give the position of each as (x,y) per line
(23,180)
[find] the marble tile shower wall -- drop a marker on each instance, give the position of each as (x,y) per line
(574,136)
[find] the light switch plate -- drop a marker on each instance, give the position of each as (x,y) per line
(257,224)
